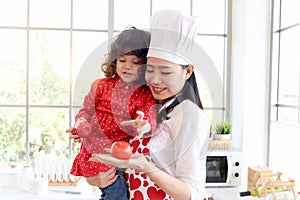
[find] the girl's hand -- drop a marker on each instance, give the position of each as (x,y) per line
(73,130)
(136,161)
(73,136)
(142,126)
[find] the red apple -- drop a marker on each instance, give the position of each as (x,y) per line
(121,150)
(84,129)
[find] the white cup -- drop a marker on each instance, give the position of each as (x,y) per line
(39,186)
(10,178)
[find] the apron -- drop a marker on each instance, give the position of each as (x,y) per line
(139,184)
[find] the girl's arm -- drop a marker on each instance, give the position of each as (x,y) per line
(89,103)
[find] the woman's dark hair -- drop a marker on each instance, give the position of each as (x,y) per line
(131,41)
(190,90)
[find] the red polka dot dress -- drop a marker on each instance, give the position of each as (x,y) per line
(109,102)
(139,184)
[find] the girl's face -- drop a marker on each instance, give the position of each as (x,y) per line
(128,68)
(166,79)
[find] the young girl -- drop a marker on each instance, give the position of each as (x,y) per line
(178,147)
(121,96)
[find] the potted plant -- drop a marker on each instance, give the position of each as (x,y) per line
(222,131)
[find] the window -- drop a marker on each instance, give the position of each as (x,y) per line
(285,101)
(42,84)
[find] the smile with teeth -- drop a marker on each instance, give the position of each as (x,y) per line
(157,89)
(127,73)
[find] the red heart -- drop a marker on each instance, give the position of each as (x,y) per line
(144,175)
(155,194)
(145,184)
(139,150)
(145,141)
(134,182)
(146,151)
(135,145)
(138,195)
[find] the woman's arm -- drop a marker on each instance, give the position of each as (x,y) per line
(171,185)
(174,187)
(103,179)
(186,178)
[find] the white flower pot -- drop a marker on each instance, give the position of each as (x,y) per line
(222,136)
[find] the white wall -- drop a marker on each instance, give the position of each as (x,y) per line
(249,83)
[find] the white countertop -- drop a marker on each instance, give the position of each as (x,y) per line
(88,193)
(233,193)
(13,194)
(59,193)
(82,191)
(227,193)
(53,193)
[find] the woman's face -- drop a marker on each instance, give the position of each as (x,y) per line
(165,79)
(128,68)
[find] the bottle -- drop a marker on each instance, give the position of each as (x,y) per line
(27,178)
(255,192)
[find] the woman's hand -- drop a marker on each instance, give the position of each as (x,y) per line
(103,179)
(142,126)
(136,161)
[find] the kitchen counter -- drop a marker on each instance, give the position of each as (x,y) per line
(233,193)
(227,193)
(87,193)
(82,191)
(73,193)
(58,194)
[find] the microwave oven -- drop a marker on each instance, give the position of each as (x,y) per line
(223,168)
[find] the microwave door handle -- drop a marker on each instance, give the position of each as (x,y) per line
(229,169)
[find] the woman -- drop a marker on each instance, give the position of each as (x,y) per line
(178,146)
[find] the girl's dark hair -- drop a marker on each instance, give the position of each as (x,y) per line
(131,41)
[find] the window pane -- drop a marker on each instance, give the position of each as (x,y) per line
(47,131)
(13,136)
(211,15)
(131,12)
(90,14)
(13,67)
(288,115)
(184,6)
(88,55)
(84,43)
(50,13)
(289,67)
(209,79)
(213,116)
(283,157)
(12,15)
(214,47)
(290,12)
(49,67)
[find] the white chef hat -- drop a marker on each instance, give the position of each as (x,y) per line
(172,36)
